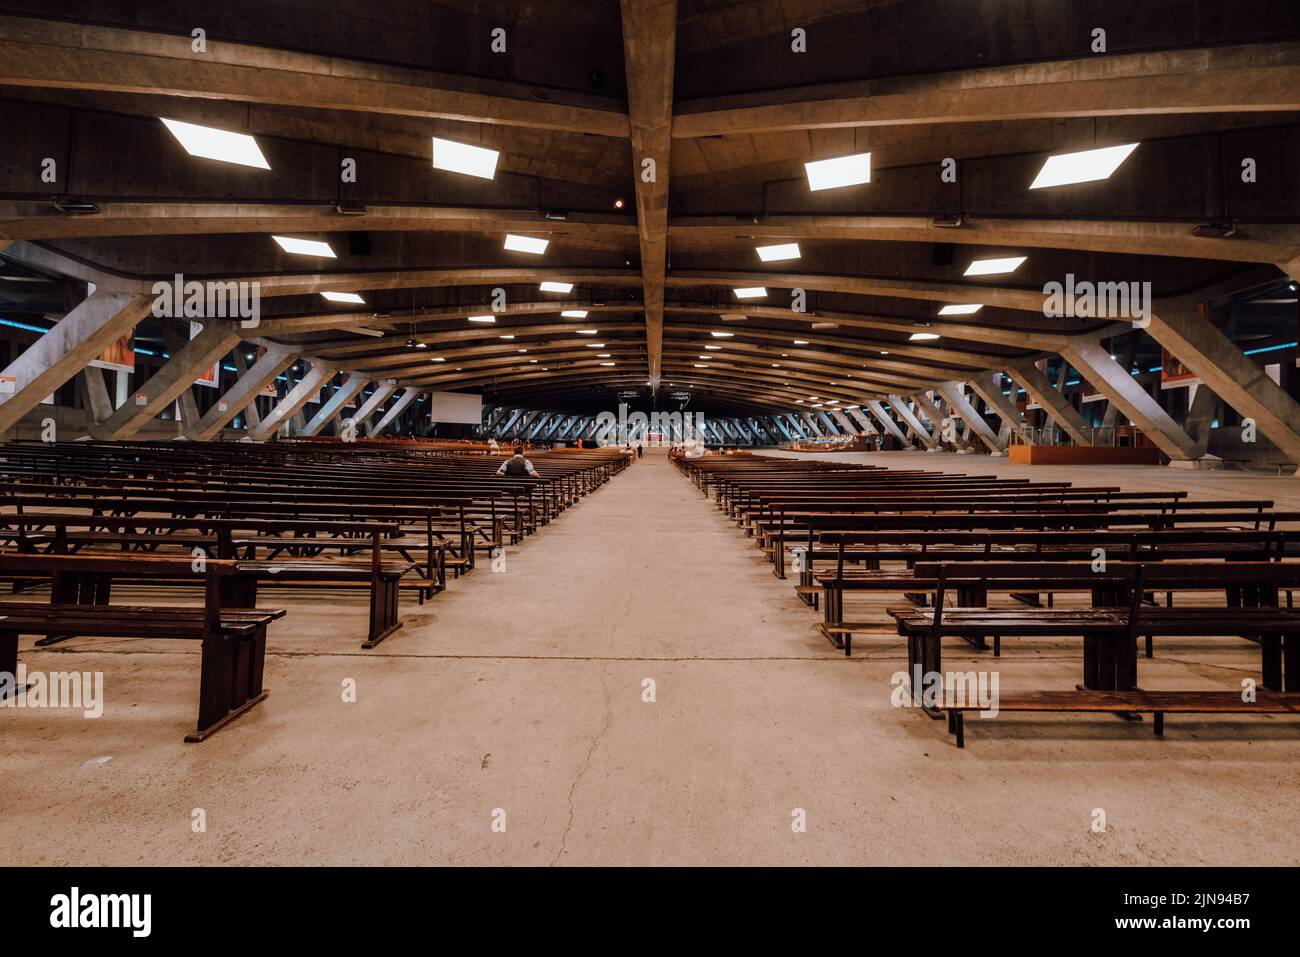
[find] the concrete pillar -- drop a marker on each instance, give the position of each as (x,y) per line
(1200,413)
(1040,388)
(83,334)
(1106,374)
(99,404)
(252,418)
(1110,418)
(890,425)
(405,399)
(951,391)
(845,423)
(377,398)
(1187,332)
(174,342)
(864,420)
(294,400)
(927,409)
(243,394)
(900,408)
(330,410)
(812,425)
(163,388)
(987,387)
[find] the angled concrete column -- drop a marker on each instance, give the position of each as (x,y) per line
(1132,399)
(1040,388)
(328,412)
(294,400)
(252,417)
(987,387)
(1196,342)
(1110,418)
(812,425)
(1199,416)
(885,420)
(163,388)
(54,358)
(847,425)
(189,407)
(927,409)
(97,398)
(781,427)
(509,422)
(900,408)
(832,427)
(951,391)
(243,394)
(405,399)
(868,427)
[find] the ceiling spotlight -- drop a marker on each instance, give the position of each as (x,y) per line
(801,342)
(750,292)
(923,336)
(482,318)
(700,365)
(842,171)
(595,345)
(1086,166)
(462,158)
(607,363)
(526,244)
(778,253)
(962,310)
(505,337)
(437,359)
(713,347)
(421,345)
(350,297)
(586,332)
(995,267)
(722,335)
(574,314)
(223,145)
(410,343)
(305,247)
(550,286)
(618,203)
(946,222)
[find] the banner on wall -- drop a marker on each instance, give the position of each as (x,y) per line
(1173,374)
(119,357)
(210,377)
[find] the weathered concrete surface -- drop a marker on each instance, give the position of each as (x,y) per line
(1049,398)
(523,691)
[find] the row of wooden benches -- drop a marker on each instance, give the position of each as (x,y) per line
(959,538)
(235,519)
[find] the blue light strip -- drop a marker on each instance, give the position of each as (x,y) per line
(1255,352)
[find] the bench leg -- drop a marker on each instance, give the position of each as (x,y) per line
(1291,662)
(383,612)
(1270,652)
(961,728)
(1160,724)
(9,659)
(230,682)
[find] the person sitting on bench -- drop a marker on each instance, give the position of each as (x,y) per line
(517,466)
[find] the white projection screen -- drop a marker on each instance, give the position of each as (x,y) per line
(455,407)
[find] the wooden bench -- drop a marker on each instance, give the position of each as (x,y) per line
(1157,703)
(233,639)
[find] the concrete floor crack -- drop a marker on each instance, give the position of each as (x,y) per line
(586,764)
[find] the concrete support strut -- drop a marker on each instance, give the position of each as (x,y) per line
(1131,398)
(890,425)
(1058,407)
(243,394)
(1188,334)
(328,412)
(900,407)
(168,383)
(987,387)
(404,400)
(951,391)
(83,334)
(294,400)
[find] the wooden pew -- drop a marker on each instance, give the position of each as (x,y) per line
(233,638)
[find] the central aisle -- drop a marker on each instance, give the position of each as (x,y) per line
(523,696)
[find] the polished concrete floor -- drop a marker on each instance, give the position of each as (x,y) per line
(520,698)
